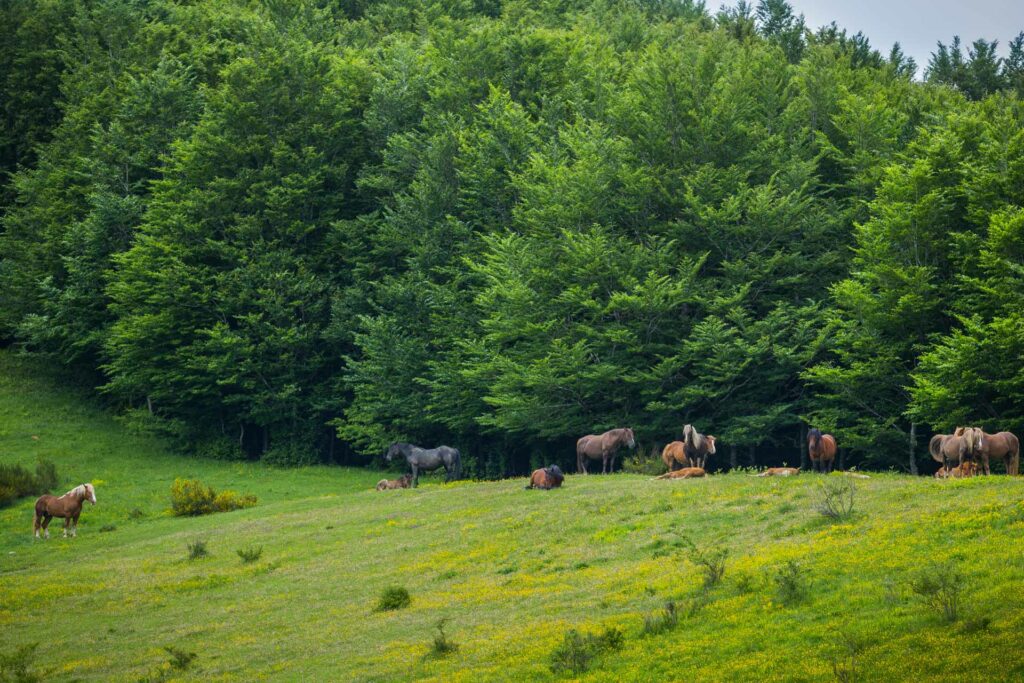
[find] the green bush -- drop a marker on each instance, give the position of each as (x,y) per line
(393,597)
(790,583)
(197,550)
(940,586)
(219,448)
(442,646)
(578,650)
(191,497)
(17,482)
(643,461)
(666,620)
(17,666)
(251,554)
(291,454)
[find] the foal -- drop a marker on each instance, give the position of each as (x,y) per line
(68,506)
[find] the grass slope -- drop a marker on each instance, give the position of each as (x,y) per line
(511,569)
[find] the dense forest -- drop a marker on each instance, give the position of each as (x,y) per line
(301,229)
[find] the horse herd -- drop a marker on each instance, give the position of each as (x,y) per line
(684,459)
(972,449)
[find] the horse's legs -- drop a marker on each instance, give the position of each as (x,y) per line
(67,521)
(415,476)
(74,527)
(46,524)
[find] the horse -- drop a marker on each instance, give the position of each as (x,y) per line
(674,456)
(779,472)
(821,448)
(402,482)
(944,448)
(967,469)
(68,506)
(1003,445)
(697,446)
(685,473)
(603,446)
(428,459)
(546,478)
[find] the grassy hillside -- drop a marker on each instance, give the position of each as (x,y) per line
(511,569)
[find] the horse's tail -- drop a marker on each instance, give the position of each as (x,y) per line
(1013,459)
(935,446)
(458,463)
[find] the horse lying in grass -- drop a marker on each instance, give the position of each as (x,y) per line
(546,478)
(779,472)
(403,482)
(68,506)
(968,469)
(685,473)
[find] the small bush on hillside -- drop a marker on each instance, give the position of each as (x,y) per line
(643,461)
(106,528)
(191,497)
(578,650)
(178,662)
(710,561)
(941,588)
(442,646)
(790,583)
(291,454)
(393,597)
(844,663)
(219,448)
(17,481)
(197,550)
(17,666)
(250,554)
(663,621)
(835,497)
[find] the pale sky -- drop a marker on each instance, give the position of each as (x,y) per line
(918,24)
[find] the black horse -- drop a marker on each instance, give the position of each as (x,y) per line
(428,459)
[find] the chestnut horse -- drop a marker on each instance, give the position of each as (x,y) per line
(403,482)
(779,472)
(546,478)
(697,446)
(685,473)
(821,448)
(68,506)
(1002,445)
(674,456)
(603,446)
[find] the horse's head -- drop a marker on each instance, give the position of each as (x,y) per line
(89,493)
(630,437)
(710,441)
(393,450)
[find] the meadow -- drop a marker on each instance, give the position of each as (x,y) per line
(803,597)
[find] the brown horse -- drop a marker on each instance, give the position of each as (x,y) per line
(674,456)
(403,482)
(967,469)
(779,472)
(546,478)
(603,446)
(821,448)
(947,448)
(697,446)
(1002,445)
(68,506)
(685,473)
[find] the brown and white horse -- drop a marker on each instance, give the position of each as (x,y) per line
(68,506)
(1004,445)
(403,482)
(697,446)
(822,450)
(546,478)
(603,446)
(685,473)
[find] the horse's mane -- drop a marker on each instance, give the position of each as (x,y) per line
(555,472)
(81,488)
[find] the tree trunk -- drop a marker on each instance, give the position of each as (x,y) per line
(149,404)
(803,447)
(751,456)
(913,442)
(732,456)
(266,439)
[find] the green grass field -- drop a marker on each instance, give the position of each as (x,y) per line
(511,569)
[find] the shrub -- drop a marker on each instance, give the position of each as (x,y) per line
(107,528)
(17,482)
(790,583)
(442,645)
(711,561)
(643,461)
(219,448)
(664,621)
(393,597)
(191,497)
(578,650)
(17,666)
(940,587)
(226,501)
(197,550)
(250,554)
(835,497)
(844,663)
(178,662)
(291,454)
